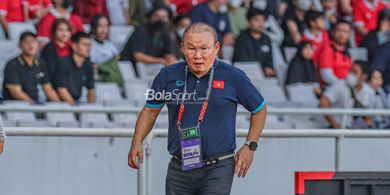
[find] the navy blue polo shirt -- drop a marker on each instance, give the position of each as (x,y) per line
(218,130)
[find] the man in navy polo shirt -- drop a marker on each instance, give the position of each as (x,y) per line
(202,96)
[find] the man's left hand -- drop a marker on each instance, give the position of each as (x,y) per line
(244,158)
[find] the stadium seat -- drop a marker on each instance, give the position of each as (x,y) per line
(135,91)
(87,27)
(16,28)
(358,54)
(107,92)
(94,120)
(289,53)
(127,70)
(227,52)
(271,90)
(61,119)
(119,34)
(279,64)
(148,71)
(23,119)
(252,69)
(303,94)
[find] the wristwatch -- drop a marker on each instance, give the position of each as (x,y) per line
(252,145)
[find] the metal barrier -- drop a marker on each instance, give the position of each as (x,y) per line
(144,173)
(271,110)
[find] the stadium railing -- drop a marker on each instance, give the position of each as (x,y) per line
(144,174)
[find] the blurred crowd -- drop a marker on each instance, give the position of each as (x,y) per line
(64,58)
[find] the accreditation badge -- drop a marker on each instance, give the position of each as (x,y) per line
(191,150)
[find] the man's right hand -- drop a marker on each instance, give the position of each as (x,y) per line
(1,146)
(136,151)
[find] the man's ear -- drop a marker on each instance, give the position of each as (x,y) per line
(218,45)
(182,47)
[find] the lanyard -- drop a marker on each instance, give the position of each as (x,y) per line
(204,104)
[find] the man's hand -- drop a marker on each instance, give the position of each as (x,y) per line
(136,150)
(1,146)
(244,158)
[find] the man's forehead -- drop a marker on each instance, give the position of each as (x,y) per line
(198,38)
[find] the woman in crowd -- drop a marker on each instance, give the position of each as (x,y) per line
(58,47)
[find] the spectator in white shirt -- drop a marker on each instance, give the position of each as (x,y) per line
(102,49)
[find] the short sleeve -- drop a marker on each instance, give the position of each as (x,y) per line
(326,61)
(158,85)
(168,43)
(228,24)
(248,95)
(11,75)
(3,7)
(46,78)
(358,16)
(139,41)
(90,84)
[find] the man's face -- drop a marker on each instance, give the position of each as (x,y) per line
(200,51)
(358,72)
(256,23)
(83,47)
(342,33)
(29,46)
(319,23)
(328,4)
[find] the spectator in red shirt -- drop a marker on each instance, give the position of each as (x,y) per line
(184,6)
(58,47)
(365,15)
(315,33)
(334,67)
(60,10)
(87,9)
(335,62)
(37,8)
(10,11)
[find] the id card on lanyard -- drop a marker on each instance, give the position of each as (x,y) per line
(190,138)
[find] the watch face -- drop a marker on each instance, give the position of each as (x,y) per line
(253,145)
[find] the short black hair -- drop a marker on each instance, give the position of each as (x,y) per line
(78,36)
(158,7)
(25,35)
(179,18)
(342,21)
(252,12)
(312,15)
(363,65)
(383,15)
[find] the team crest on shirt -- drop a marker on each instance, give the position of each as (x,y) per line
(218,84)
(179,83)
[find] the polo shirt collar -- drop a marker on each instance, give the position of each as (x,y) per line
(23,62)
(337,47)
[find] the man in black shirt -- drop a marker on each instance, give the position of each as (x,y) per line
(24,73)
(253,45)
(76,71)
(152,43)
